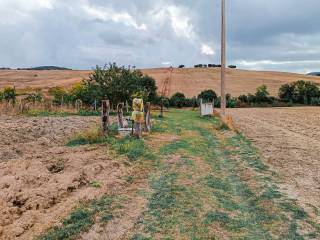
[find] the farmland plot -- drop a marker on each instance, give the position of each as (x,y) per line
(289,139)
(41,179)
(189,179)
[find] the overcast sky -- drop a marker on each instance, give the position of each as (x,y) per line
(262,34)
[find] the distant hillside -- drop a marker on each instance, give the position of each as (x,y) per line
(45,68)
(190,81)
(314,74)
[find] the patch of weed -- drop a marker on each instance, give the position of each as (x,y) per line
(95,184)
(106,217)
(298,212)
(85,113)
(217,216)
(129,179)
(131,147)
(271,193)
(293,232)
(47,113)
(80,220)
(139,237)
(174,146)
(217,183)
(225,201)
(92,136)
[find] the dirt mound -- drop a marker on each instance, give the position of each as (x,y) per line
(41,180)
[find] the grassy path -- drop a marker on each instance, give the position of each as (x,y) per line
(212,184)
(199,181)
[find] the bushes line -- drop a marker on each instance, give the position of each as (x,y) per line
(300,92)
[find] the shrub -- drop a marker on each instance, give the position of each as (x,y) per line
(35,97)
(315,101)
(232,66)
(207,95)
(178,100)
(60,95)
(243,98)
(181,66)
(165,100)
(9,93)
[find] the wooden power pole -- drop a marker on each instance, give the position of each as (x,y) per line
(223,57)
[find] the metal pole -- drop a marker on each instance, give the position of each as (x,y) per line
(223,57)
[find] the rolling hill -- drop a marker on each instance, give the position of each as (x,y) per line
(190,81)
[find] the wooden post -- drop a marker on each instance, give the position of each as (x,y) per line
(62,101)
(223,57)
(78,105)
(161,108)
(95,105)
(105,116)
(137,129)
(120,115)
(127,106)
(137,116)
(147,117)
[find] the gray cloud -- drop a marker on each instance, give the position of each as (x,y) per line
(264,34)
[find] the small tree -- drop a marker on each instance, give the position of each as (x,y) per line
(118,84)
(262,95)
(286,92)
(207,95)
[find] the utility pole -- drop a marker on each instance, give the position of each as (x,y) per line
(223,57)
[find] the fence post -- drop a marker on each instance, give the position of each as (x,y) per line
(161,108)
(105,116)
(127,106)
(147,117)
(120,115)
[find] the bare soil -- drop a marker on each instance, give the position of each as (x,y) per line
(289,139)
(42,180)
(190,81)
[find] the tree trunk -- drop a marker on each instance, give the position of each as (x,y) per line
(105,116)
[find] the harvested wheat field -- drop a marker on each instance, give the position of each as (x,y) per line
(289,139)
(190,81)
(29,79)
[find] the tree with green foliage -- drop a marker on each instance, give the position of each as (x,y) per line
(117,84)
(207,95)
(300,92)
